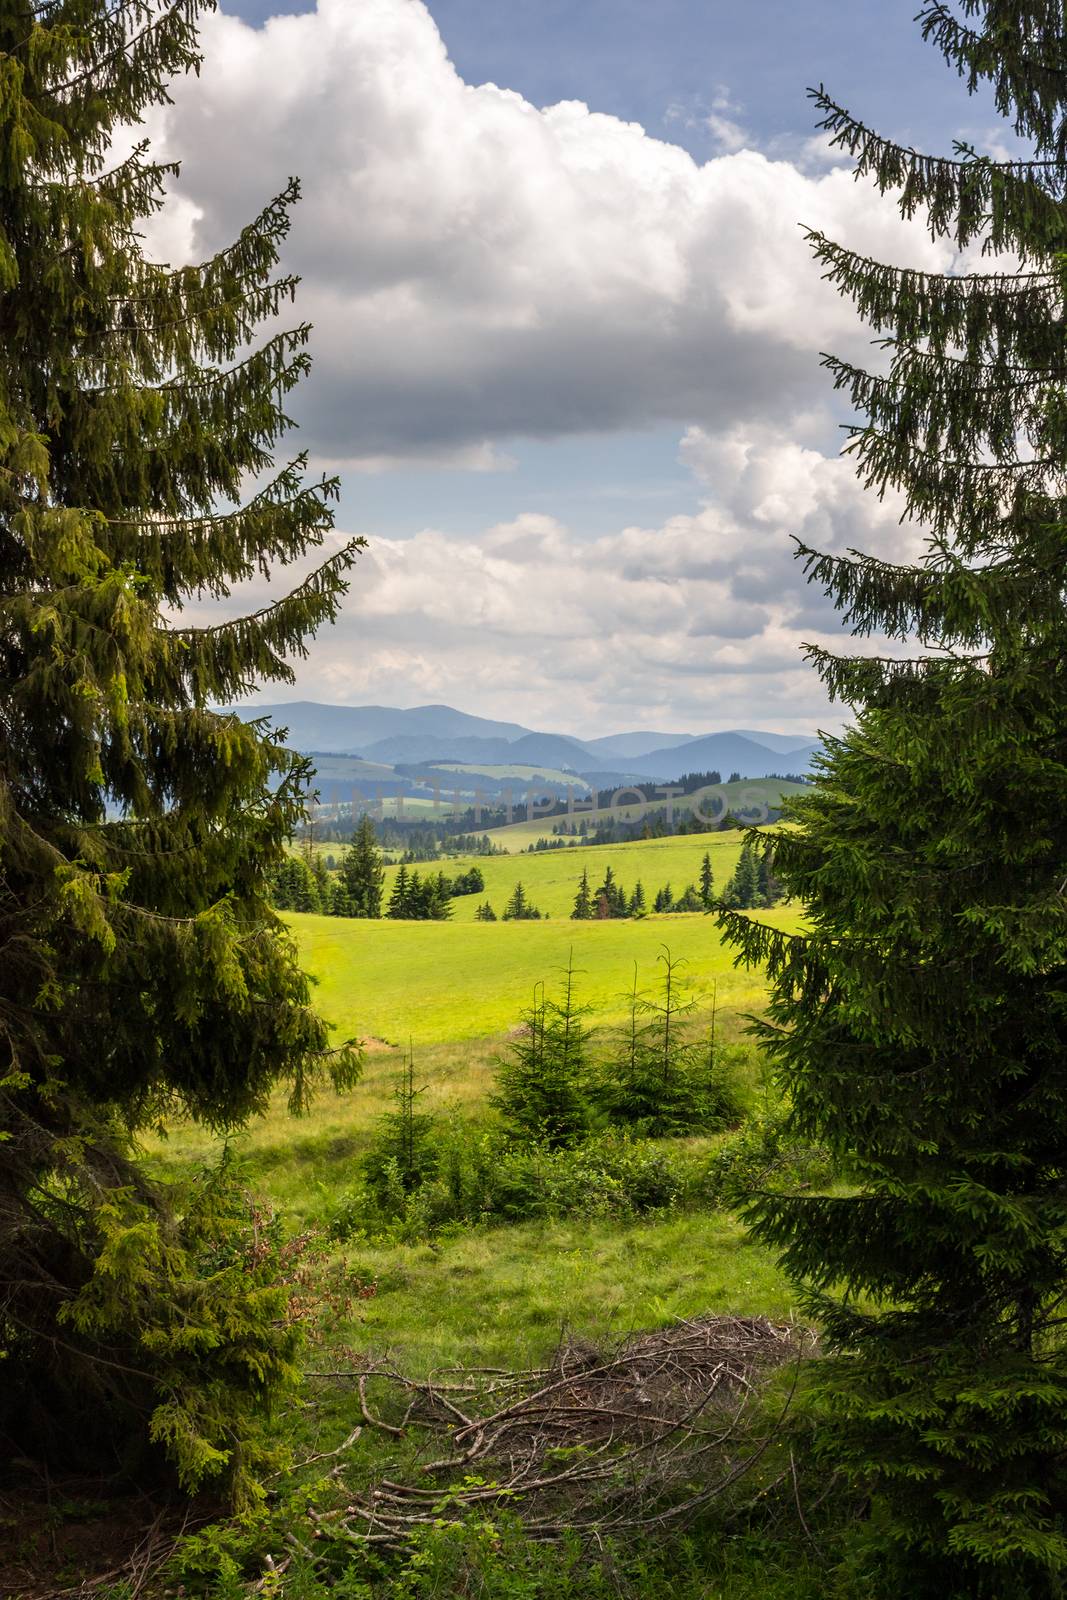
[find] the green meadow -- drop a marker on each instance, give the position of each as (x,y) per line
(446,983)
(550,877)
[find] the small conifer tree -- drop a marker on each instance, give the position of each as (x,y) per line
(542,1087)
(400,896)
(707,883)
(403,1149)
(583,900)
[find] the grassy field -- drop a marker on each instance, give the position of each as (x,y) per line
(550,877)
(748,798)
(446,983)
(502,1295)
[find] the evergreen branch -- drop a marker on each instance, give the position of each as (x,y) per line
(183,12)
(871,680)
(272,225)
(1030,88)
(961,606)
(965,498)
(268,357)
(1001,203)
(978,313)
(278,495)
(949,407)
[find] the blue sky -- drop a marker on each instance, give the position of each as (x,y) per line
(567,359)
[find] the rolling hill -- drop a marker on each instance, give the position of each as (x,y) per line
(438,733)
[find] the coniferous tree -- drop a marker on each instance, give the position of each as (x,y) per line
(542,1088)
(610,898)
(637,906)
(664,900)
(142,970)
(323,884)
(485,913)
(363,872)
(583,900)
(707,883)
(519,908)
(919,1025)
(657,1081)
(400,897)
(403,1149)
(743,890)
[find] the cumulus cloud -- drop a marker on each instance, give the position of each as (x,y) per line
(700,617)
(479,269)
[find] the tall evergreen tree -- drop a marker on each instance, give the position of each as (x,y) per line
(363,872)
(142,971)
(707,883)
(583,900)
(743,890)
(400,897)
(920,1024)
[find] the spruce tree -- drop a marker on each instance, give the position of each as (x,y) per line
(142,970)
(707,883)
(656,1080)
(403,1150)
(363,872)
(519,908)
(583,900)
(542,1088)
(400,898)
(743,889)
(919,1024)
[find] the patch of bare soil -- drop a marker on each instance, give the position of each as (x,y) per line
(71,1539)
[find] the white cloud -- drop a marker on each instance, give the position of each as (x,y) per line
(701,617)
(479,269)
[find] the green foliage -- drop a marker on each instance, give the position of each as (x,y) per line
(765,1155)
(473,1178)
(417,899)
(362,872)
(191,1287)
(402,1154)
(518,908)
(657,1080)
(583,900)
(919,1027)
(542,1084)
(707,883)
(142,970)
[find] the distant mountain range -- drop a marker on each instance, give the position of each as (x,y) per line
(386,735)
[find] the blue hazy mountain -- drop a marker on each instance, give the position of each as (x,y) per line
(388,735)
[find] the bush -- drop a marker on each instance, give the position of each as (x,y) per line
(765,1155)
(484,1178)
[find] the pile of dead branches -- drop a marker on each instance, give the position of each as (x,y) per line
(642,1435)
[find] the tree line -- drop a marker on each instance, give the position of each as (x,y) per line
(752,884)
